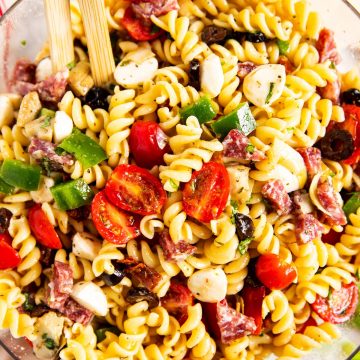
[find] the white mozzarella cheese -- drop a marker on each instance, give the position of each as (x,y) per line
(63,126)
(211,75)
(85,245)
(208,285)
(90,296)
(265,84)
(43,69)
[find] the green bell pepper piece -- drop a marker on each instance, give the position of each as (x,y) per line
(241,118)
(85,149)
(202,110)
(72,194)
(21,175)
(352,204)
(6,188)
(101,333)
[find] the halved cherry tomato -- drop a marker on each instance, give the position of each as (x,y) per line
(113,224)
(354,158)
(148,144)
(273,272)
(210,319)
(42,229)
(137,29)
(339,305)
(253,298)
(177,300)
(9,257)
(332,237)
(206,194)
(134,189)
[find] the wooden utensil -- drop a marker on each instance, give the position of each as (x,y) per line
(59,26)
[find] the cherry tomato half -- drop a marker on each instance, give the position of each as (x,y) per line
(113,224)
(206,194)
(9,257)
(148,144)
(253,298)
(137,29)
(134,189)
(273,272)
(42,228)
(309,322)
(339,305)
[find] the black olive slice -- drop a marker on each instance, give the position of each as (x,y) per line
(194,74)
(244,226)
(351,96)
(213,34)
(138,294)
(96,98)
(336,145)
(115,278)
(5,217)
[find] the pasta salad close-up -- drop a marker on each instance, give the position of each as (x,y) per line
(194,194)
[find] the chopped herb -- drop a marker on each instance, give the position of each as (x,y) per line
(332,174)
(23,42)
(234,209)
(244,244)
(71,65)
(47,112)
(28,304)
(290,128)
(124,63)
(49,166)
(46,122)
(61,151)
(332,65)
(173,184)
(270,93)
(250,148)
(357,274)
(49,342)
(283,46)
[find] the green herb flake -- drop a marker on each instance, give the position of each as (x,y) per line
(71,65)
(244,244)
(173,184)
(332,65)
(49,342)
(250,148)
(283,46)
(28,304)
(234,210)
(124,63)
(23,42)
(46,122)
(290,129)
(270,93)
(332,174)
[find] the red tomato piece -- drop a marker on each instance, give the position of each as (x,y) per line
(354,158)
(42,229)
(253,298)
(210,319)
(177,300)
(137,29)
(332,237)
(9,257)
(206,194)
(339,305)
(273,272)
(113,224)
(309,322)
(134,189)
(148,144)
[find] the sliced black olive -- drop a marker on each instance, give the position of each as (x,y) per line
(351,96)
(47,255)
(257,37)
(79,214)
(5,217)
(138,294)
(336,145)
(96,98)
(116,277)
(244,226)
(213,34)
(194,74)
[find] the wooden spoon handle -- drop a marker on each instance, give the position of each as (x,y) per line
(59,26)
(98,40)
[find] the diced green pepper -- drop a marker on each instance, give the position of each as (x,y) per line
(352,204)
(101,333)
(72,194)
(241,118)
(202,110)
(85,149)
(6,188)
(283,46)
(21,175)
(47,112)
(357,356)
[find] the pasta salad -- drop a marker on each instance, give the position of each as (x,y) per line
(203,205)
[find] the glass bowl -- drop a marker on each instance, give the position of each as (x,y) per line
(22,35)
